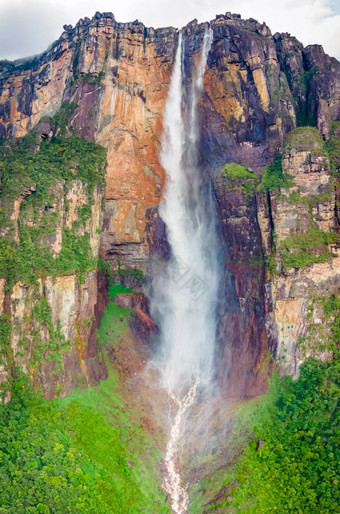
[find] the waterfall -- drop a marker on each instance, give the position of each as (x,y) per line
(185,293)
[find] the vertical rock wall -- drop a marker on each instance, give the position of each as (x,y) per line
(257,88)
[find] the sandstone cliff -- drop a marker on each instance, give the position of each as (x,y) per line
(50,230)
(114,78)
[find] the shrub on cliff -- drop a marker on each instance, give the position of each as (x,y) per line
(273,178)
(240,177)
(300,250)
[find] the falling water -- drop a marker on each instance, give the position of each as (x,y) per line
(185,294)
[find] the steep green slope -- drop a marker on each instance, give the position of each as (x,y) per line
(88,452)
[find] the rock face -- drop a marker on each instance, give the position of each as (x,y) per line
(118,75)
(49,307)
(243,339)
(257,88)
(303,219)
(53,333)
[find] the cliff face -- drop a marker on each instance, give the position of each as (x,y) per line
(306,265)
(257,88)
(118,75)
(53,334)
(51,212)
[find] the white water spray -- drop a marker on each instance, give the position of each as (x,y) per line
(185,294)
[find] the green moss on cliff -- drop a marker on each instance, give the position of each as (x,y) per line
(25,162)
(333,147)
(306,139)
(236,171)
(40,175)
(30,260)
(115,323)
(323,335)
(116,289)
(300,250)
(273,178)
(90,78)
(311,201)
(241,178)
(5,334)
(52,349)
(61,119)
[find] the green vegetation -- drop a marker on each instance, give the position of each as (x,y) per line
(241,177)
(292,465)
(130,272)
(5,333)
(333,148)
(90,78)
(115,323)
(84,213)
(61,119)
(48,168)
(300,250)
(67,159)
(325,334)
(273,178)
(310,201)
(56,344)
(85,453)
(42,466)
(30,260)
(292,462)
(308,139)
(236,171)
(311,247)
(116,289)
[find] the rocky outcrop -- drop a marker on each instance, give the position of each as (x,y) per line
(53,333)
(113,79)
(243,342)
(49,309)
(313,78)
(306,264)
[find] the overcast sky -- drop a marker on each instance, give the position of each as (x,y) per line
(27,27)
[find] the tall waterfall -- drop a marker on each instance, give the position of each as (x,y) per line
(185,293)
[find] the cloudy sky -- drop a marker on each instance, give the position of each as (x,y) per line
(27,27)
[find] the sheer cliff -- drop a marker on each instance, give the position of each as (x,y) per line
(269,127)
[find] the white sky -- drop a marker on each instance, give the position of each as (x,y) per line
(27,27)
